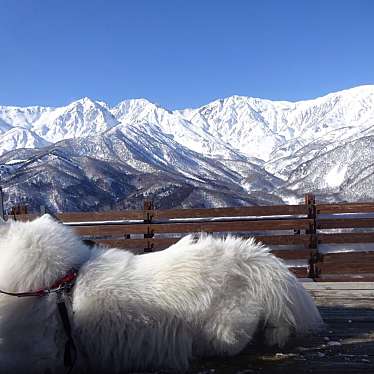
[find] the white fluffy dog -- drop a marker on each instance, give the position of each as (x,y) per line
(154,311)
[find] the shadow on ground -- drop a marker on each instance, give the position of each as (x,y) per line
(346,345)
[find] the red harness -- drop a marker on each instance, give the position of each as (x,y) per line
(63,284)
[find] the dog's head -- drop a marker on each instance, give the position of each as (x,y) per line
(35,254)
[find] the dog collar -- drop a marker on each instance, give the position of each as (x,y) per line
(63,284)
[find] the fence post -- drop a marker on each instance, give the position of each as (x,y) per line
(2,213)
(310,202)
(148,207)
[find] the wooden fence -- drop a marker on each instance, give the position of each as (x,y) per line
(299,234)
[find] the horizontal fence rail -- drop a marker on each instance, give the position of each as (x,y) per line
(299,234)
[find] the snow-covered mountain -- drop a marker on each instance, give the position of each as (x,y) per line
(237,150)
(79,119)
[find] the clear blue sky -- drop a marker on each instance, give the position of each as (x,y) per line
(182,53)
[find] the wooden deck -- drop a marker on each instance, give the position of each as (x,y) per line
(346,345)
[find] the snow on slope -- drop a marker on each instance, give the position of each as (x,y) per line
(273,129)
(22,116)
(248,142)
(344,173)
(240,122)
(18,137)
(140,111)
(233,128)
(79,119)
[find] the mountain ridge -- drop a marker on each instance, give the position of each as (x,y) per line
(250,145)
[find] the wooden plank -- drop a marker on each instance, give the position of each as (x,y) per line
(300,272)
(346,238)
(101,216)
(70,217)
(295,254)
(22,217)
(158,244)
(345,223)
(350,304)
(271,210)
(339,286)
(344,294)
(231,226)
(103,230)
(345,267)
(219,226)
(123,243)
(345,208)
(349,257)
(346,277)
(192,227)
(182,213)
(283,239)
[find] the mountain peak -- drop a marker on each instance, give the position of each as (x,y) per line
(306,143)
(235,125)
(84,101)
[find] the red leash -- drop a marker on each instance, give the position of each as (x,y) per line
(64,283)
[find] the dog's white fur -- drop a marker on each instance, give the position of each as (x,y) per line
(198,297)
